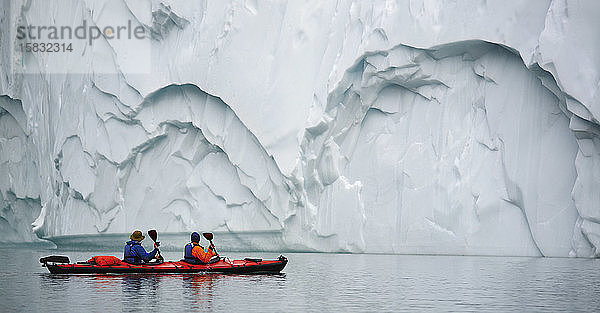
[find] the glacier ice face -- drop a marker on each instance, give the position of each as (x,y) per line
(394,127)
(19,182)
(448,149)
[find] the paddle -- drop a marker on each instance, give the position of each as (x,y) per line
(209,237)
(153,235)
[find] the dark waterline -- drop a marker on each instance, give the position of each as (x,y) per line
(312,282)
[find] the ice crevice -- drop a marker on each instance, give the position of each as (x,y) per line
(515,197)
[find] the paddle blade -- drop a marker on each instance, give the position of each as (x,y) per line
(208,236)
(153,235)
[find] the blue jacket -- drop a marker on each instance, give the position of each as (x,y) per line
(136,254)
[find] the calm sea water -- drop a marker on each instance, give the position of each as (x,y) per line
(311,282)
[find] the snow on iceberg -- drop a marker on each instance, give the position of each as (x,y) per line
(405,127)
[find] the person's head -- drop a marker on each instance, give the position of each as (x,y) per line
(195,237)
(137,236)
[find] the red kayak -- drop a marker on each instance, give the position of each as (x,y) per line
(62,265)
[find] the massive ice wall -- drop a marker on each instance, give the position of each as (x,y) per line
(385,126)
(19,182)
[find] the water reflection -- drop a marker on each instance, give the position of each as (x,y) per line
(141,290)
(140,283)
(198,290)
(335,282)
(54,281)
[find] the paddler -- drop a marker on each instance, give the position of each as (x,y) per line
(194,253)
(134,253)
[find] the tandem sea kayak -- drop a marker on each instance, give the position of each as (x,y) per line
(61,265)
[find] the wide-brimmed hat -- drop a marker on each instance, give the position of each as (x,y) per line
(137,236)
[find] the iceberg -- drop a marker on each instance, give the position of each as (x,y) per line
(421,127)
